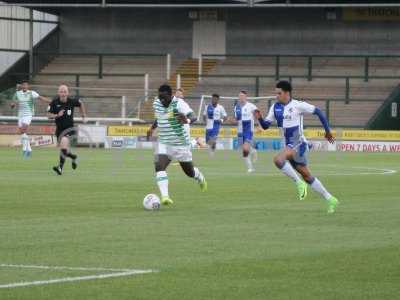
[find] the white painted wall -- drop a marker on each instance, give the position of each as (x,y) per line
(15,34)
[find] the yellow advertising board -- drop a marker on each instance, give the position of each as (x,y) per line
(127,130)
(351,135)
(371,135)
(372,14)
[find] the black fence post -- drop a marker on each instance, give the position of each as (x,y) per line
(257,86)
(100,66)
(366,69)
(77,84)
(327,112)
(277,67)
(309,68)
(347,90)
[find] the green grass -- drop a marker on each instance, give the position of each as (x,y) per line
(248,237)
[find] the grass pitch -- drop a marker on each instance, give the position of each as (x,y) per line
(248,237)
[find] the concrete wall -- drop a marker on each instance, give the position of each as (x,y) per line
(304,31)
(300,31)
(121,30)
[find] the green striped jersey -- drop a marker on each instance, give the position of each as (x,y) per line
(25,102)
(170,130)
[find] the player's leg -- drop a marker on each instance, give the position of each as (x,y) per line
(211,142)
(24,137)
(183,155)
(282,162)
(212,145)
(161,162)
(193,172)
(246,140)
(63,144)
(246,156)
(253,154)
(67,151)
(317,186)
(23,125)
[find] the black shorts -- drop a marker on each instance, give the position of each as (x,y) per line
(67,132)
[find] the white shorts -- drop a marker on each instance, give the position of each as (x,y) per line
(179,153)
(24,120)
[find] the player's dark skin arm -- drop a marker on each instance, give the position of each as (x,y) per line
(150,131)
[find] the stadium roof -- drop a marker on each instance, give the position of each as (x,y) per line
(200,3)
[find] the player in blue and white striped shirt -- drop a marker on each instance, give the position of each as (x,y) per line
(244,114)
(288,115)
(214,115)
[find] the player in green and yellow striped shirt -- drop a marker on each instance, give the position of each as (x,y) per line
(25,99)
(172,116)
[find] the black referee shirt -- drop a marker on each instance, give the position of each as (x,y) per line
(67,119)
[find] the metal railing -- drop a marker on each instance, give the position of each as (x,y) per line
(97,121)
(100,57)
(309,70)
(326,107)
(257,81)
(78,76)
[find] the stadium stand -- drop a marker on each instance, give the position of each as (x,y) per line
(102,95)
(352,107)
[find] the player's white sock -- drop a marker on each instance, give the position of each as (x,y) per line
(24,139)
(288,170)
(319,188)
(198,176)
(211,151)
(254,155)
(28,144)
(248,162)
(162,182)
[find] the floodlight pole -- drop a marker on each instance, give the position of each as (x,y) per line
(30,43)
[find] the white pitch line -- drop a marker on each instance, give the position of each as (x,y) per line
(72,279)
(63,268)
(273,174)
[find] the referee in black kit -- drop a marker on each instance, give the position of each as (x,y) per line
(61,109)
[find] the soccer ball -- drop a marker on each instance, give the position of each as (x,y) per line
(151,202)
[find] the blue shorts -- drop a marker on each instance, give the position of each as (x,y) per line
(245,137)
(301,154)
(213,132)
